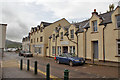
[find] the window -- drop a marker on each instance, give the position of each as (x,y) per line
(118,47)
(37,39)
(72,49)
(53,37)
(61,35)
(38,50)
(31,41)
(59,50)
(118,21)
(41,30)
(53,50)
(94,26)
(34,40)
(72,34)
(41,39)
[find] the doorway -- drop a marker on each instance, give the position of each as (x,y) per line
(95,49)
(65,49)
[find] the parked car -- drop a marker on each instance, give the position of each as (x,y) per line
(21,53)
(69,58)
(28,54)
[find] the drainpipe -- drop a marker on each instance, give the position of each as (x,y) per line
(85,43)
(104,43)
(77,45)
(49,46)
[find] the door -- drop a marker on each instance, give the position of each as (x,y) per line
(65,49)
(95,49)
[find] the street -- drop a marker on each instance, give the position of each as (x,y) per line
(11,59)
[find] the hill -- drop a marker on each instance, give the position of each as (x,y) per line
(12,44)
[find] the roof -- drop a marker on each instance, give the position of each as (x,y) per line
(45,24)
(106,17)
(80,24)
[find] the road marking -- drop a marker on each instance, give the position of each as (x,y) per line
(44,73)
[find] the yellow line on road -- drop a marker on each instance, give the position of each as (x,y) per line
(44,73)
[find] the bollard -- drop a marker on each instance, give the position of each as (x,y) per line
(21,64)
(66,74)
(35,68)
(28,65)
(48,71)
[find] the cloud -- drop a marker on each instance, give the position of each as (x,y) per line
(21,15)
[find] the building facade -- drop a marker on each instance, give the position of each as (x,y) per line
(39,36)
(26,44)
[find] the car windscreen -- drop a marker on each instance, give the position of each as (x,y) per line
(71,55)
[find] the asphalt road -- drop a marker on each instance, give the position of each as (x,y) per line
(57,70)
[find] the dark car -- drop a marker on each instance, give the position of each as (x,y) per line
(28,54)
(21,53)
(69,58)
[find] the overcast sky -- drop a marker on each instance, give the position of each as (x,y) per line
(21,15)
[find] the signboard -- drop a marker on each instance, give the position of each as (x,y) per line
(38,45)
(64,42)
(2,35)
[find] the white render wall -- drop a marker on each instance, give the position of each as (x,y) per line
(2,35)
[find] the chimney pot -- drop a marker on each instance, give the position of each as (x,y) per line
(94,10)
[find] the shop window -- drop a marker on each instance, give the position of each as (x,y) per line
(40,50)
(72,49)
(61,35)
(94,24)
(72,34)
(53,50)
(118,21)
(59,50)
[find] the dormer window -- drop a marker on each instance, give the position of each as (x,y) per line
(94,24)
(61,35)
(72,34)
(53,37)
(41,30)
(118,21)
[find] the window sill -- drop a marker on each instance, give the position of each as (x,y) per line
(61,39)
(94,32)
(117,56)
(117,29)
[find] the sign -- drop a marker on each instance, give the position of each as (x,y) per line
(65,42)
(38,45)
(2,35)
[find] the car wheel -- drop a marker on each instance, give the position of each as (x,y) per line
(71,63)
(58,61)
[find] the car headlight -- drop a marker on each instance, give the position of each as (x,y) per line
(76,60)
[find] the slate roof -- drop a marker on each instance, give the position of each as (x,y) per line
(106,17)
(45,24)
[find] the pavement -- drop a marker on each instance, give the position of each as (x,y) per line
(101,63)
(10,69)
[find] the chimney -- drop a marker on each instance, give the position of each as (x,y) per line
(119,3)
(95,12)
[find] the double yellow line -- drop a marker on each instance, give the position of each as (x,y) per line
(44,73)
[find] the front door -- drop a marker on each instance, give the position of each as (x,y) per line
(95,49)
(65,49)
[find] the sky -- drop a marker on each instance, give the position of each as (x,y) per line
(21,15)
